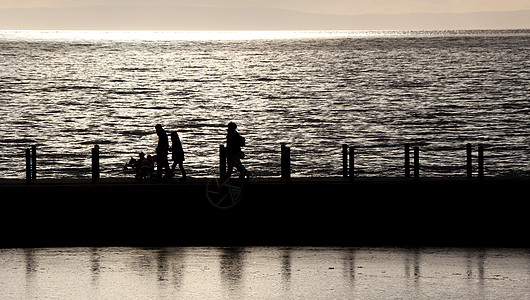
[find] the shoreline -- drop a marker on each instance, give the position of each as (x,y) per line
(196,180)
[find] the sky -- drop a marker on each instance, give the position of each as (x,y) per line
(264,14)
(340,7)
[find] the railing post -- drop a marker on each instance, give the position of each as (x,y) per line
(285,162)
(33,162)
(95,164)
(469,161)
(28,166)
(344,160)
(352,164)
(222,161)
(282,159)
(480,162)
(407,160)
(416,163)
(288,164)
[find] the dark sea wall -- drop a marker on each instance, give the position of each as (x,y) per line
(465,213)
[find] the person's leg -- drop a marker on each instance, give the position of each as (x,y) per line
(182,170)
(230,165)
(173,167)
(159,166)
(240,168)
(166,167)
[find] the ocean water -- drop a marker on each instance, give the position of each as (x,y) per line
(264,273)
(66,91)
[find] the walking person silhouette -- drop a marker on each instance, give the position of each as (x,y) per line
(161,152)
(234,142)
(177,154)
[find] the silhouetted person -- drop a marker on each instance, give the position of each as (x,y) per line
(177,153)
(146,169)
(139,162)
(234,142)
(161,152)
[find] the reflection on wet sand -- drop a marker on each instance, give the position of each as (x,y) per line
(269,272)
(31,270)
(349,266)
(95,259)
(286,267)
(475,267)
(231,269)
(412,259)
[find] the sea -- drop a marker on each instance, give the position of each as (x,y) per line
(67,91)
(264,273)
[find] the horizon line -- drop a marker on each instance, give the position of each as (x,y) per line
(235,35)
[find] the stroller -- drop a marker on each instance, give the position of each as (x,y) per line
(144,167)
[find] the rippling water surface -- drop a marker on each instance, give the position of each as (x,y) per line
(264,273)
(66,91)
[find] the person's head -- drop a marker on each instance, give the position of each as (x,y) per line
(174,136)
(158,127)
(232,126)
(142,155)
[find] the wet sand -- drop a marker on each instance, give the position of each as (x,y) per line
(264,273)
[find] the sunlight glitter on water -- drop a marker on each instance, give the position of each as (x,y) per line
(202,35)
(178,35)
